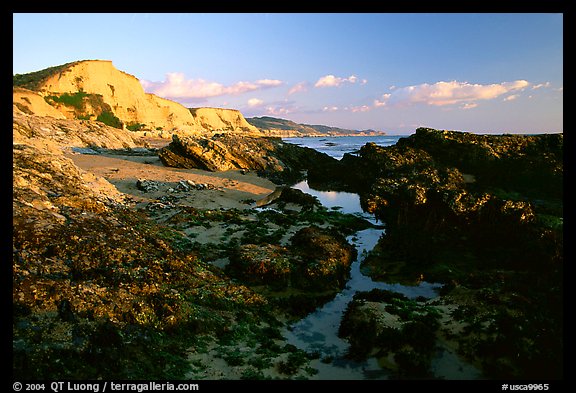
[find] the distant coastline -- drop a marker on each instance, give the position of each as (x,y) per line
(272,126)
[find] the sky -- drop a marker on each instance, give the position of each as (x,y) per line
(393,72)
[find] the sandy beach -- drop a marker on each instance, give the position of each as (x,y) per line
(225,189)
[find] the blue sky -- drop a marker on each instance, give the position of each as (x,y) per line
(478,72)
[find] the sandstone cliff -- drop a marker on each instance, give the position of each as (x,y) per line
(222,120)
(92,89)
(30,102)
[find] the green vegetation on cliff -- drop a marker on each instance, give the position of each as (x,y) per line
(33,80)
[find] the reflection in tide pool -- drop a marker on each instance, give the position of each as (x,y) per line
(318,332)
(347,201)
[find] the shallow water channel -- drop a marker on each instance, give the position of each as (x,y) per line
(318,332)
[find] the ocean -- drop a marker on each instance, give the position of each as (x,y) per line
(336,146)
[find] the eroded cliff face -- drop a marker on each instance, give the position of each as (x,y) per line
(122,92)
(87,89)
(223,120)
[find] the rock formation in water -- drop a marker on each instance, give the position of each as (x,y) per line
(481,214)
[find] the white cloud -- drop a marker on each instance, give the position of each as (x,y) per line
(511,97)
(363,108)
(277,110)
(252,102)
(541,85)
(334,81)
(298,88)
(176,86)
(449,93)
(469,105)
(269,82)
(385,98)
(330,109)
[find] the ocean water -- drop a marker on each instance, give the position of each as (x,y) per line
(336,146)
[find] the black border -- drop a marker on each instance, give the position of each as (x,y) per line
(314,6)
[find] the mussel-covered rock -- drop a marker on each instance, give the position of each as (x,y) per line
(316,260)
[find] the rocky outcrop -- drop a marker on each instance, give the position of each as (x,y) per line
(482,193)
(269,156)
(56,134)
(531,164)
(439,190)
(528,163)
(218,154)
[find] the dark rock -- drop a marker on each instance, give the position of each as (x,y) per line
(283,195)
(528,163)
(147,185)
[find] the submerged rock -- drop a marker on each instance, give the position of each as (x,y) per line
(390,326)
